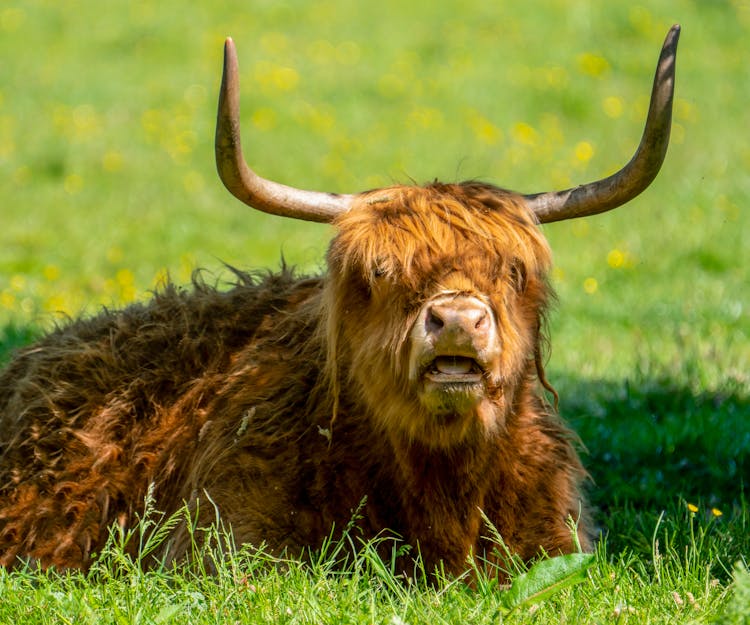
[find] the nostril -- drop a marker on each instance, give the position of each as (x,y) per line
(434,321)
(482,321)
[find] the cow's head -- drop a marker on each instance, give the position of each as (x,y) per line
(435,295)
(433,303)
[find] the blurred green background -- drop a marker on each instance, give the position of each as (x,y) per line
(107,181)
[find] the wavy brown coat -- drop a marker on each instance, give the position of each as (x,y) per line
(408,374)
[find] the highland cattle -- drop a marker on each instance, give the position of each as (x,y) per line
(408,376)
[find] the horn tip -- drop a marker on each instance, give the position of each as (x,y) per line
(674,33)
(230,57)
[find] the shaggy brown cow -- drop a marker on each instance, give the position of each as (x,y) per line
(409,374)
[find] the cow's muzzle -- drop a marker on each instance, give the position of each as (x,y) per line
(454,340)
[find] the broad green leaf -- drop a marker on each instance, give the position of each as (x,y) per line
(168,612)
(547,577)
(737,611)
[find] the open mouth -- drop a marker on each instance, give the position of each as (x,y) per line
(454,369)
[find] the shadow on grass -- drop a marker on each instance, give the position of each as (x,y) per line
(655,444)
(13,336)
(651,440)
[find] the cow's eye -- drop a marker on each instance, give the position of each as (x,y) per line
(379,269)
(517,275)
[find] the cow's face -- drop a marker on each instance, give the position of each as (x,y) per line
(434,305)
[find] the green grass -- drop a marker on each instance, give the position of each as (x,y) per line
(681,579)
(107,183)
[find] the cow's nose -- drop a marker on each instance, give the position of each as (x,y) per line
(458,316)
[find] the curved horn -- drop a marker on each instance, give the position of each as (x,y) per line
(611,192)
(243,182)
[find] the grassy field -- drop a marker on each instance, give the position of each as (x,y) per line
(107,185)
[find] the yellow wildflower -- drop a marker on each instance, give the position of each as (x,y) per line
(18,282)
(73,184)
(584,151)
(613,106)
(524,133)
(112,161)
(7,300)
(615,258)
(592,64)
(264,118)
(51,272)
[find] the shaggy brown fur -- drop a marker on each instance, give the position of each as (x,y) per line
(286,401)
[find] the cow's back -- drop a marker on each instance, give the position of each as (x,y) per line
(101,407)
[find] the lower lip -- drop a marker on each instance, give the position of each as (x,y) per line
(450,378)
